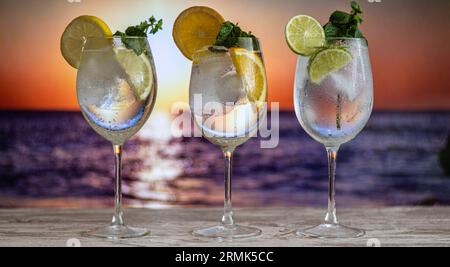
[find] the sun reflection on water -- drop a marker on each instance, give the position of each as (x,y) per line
(159,165)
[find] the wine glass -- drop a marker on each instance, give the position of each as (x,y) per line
(116,90)
(228,99)
(333,112)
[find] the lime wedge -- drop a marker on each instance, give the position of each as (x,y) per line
(138,69)
(327,61)
(304,35)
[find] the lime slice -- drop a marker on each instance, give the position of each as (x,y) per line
(327,61)
(304,35)
(72,38)
(138,69)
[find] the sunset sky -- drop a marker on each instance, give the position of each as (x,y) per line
(409,42)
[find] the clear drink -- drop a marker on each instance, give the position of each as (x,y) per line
(221,106)
(337,109)
(108,98)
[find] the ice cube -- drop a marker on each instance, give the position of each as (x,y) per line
(346,81)
(101,80)
(119,105)
(352,79)
(119,97)
(215,79)
(230,87)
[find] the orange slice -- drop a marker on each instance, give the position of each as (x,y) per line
(195,28)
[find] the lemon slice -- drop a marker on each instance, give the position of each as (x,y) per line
(304,35)
(80,28)
(138,69)
(326,62)
(250,68)
(195,28)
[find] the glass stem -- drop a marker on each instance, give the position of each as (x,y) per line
(227,218)
(331,218)
(117,218)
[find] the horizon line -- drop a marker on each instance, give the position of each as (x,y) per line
(282,110)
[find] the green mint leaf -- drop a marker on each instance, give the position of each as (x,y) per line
(135,31)
(350,30)
(143,27)
(229,35)
(152,20)
(357,19)
(358,34)
(331,30)
(343,24)
(356,8)
(119,33)
(340,17)
(139,46)
(157,27)
(225,31)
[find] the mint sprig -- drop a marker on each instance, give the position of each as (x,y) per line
(343,24)
(230,33)
(138,45)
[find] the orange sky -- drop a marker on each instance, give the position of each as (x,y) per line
(408,41)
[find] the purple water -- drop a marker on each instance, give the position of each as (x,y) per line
(54,159)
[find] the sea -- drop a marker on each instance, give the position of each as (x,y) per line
(55,159)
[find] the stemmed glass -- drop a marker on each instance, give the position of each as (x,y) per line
(116,90)
(228,98)
(333,113)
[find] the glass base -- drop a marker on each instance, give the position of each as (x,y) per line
(227,232)
(327,230)
(117,232)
